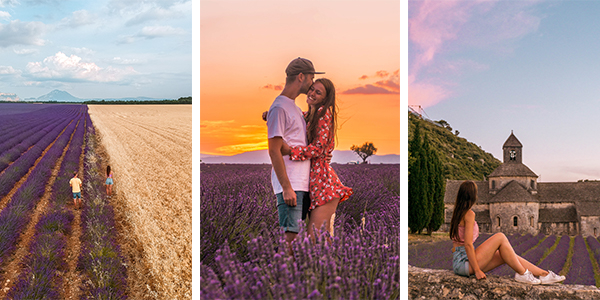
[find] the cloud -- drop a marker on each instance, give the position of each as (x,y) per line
(277,87)
(153,14)
(25,51)
(368,89)
(391,85)
(215,124)
(8,70)
(4,3)
(78,18)
(4,15)
(426,94)
(81,51)
(152,32)
(440,27)
(61,67)
(21,33)
(239,148)
(124,61)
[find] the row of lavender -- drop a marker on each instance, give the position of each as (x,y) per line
(574,257)
(47,256)
(243,253)
(100,259)
(29,150)
(18,210)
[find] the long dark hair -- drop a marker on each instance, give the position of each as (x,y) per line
(465,199)
(107,171)
(328,103)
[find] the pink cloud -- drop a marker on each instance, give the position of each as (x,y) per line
(368,89)
(363,77)
(426,94)
(440,27)
(382,74)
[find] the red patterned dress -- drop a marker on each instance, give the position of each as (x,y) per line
(324,183)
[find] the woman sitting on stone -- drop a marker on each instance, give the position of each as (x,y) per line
(492,253)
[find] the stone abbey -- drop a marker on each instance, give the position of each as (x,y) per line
(512,201)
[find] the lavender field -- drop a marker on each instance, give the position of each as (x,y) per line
(242,249)
(43,248)
(574,257)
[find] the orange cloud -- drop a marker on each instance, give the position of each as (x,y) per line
(368,89)
(278,87)
(363,77)
(382,74)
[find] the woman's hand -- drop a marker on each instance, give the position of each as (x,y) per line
(264,115)
(285,149)
(480,275)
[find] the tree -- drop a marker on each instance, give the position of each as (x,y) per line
(438,189)
(364,151)
(418,198)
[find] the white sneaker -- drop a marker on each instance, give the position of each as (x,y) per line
(551,278)
(527,277)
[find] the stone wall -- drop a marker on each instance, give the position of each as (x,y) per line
(444,284)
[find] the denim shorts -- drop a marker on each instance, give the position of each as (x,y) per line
(460,262)
(290,215)
(77,195)
(109,180)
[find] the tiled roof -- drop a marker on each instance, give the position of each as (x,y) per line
(558,215)
(513,192)
(452,187)
(512,169)
(512,141)
(554,192)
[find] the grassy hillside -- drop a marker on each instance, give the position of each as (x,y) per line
(462,159)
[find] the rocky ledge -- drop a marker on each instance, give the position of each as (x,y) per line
(444,284)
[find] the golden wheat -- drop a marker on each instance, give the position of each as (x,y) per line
(150,150)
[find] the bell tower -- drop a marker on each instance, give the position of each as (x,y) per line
(513,150)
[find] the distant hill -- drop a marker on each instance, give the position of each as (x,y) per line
(262,157)
(55,95)
(462,160)
(63,96)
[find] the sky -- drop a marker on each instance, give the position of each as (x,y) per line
(96,49)
(530,67)
(245,47)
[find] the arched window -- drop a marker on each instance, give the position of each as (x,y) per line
(532,184)
(498,219)
(531,221)
(595,232)
(513,155)
(515,221)
(493,184)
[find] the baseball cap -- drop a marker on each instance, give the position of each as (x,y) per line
(301,65)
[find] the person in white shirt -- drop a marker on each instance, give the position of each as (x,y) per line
(285,123)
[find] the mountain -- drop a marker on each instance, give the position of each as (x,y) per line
(462,160)
(262,157)
(56,95)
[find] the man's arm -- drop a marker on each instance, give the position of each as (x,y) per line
(275,144)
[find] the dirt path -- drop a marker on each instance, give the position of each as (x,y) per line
(72,282)
(15,262)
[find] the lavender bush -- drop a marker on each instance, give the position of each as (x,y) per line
(581,271)
(247,259)
(100,259)
(556,260)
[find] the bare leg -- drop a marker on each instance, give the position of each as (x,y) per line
(322,215)
(289,237)
(494,252)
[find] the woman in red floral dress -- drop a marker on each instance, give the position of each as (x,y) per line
(326,190)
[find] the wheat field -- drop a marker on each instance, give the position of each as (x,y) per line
(150,152)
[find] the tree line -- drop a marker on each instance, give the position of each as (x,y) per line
(182,100)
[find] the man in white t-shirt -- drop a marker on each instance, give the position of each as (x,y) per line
(286,123)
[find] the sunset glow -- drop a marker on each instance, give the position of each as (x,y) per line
(245,49)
